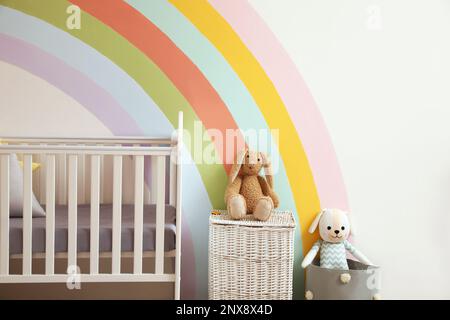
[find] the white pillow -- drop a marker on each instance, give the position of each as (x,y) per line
(16,191)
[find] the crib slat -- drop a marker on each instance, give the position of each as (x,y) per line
(138,212)
(27,214)
(4,214)
(42,176)
(117,214)
(147,194)
(102,178)
(153,185)
(50,215)
(81,179)
(62,179)
(87,180)
(36,187)
(72,216)
(95,208)
(178,206)
(160,206)
(173,180)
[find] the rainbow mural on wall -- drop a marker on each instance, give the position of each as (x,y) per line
(134,64)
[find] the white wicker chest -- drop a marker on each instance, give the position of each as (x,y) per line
(250,259)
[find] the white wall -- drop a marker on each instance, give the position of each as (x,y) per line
(383,87)
(30,106)
(26,102)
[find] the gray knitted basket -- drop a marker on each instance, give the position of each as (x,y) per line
(331,284)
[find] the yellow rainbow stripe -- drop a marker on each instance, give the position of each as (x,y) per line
(222,36)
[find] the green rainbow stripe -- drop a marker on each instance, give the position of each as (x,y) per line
(140,68)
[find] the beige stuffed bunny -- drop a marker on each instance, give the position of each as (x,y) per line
(248,192)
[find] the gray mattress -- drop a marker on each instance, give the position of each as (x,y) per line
(83,225)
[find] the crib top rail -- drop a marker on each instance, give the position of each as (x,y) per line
(90,140)
(87,150)
(89,145)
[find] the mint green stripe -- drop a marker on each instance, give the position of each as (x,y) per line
(229,87)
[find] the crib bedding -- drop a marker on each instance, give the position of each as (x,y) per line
(105,229)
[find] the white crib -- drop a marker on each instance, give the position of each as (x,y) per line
(73,173)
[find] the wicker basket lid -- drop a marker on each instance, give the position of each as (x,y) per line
(280,219)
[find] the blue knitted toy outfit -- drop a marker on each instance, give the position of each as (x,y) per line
(333,255)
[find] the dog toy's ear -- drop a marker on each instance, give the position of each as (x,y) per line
(237,165)
(315,223)
(351,222)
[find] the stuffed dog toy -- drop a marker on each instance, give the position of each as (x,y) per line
(248,192)
(334,229)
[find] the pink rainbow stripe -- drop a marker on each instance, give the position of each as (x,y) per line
(295,94)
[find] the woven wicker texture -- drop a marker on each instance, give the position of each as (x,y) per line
(250,259)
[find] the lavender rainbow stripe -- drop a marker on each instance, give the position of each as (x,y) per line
(101,104)
(71,81)
(91,63)
(295,94)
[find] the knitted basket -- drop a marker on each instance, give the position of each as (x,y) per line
(251,259)
(362,282)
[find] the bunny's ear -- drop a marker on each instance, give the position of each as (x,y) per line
(315,223)
(266,164)
(237,165)
(265,159)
